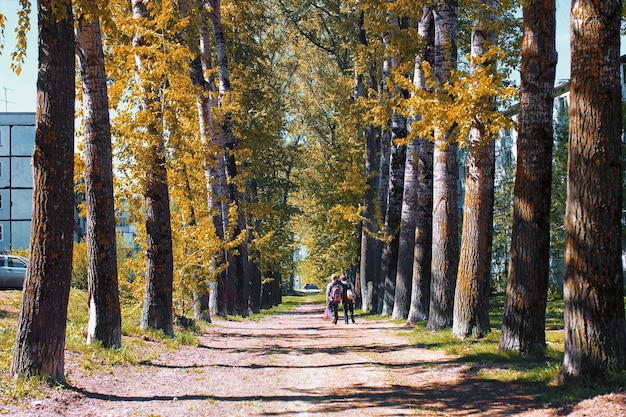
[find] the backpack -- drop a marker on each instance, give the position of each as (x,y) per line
(351,295)
(335,293)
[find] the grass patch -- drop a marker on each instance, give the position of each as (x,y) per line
(536,375)
(138,346)
(289,303)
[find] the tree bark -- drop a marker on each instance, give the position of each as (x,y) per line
(471,302)
(40,342)
(523,325)
(375,286)
(406,236)
(213,164)
(595,329)
(369,261)
(423,211)
(237,263)
(445,257)
(157,300)
(394,209)
(105,320)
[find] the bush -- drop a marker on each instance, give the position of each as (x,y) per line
(79,265)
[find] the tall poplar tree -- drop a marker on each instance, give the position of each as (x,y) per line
(595,329)
(105,321)
(157,303)
(369,262)
(523,325)
(445,256)
(422,248)
(40,341)
(213,162)
(238,270)
(471,303)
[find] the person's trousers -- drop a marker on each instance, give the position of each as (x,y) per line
(334,310)
(348,307)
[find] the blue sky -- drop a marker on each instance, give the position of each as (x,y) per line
(18,94)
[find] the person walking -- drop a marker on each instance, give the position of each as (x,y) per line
(334,291)
(348,298)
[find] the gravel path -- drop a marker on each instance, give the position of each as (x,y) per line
(295,365)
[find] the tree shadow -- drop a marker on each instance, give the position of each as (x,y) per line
(466,396)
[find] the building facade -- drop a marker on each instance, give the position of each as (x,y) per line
(17,141)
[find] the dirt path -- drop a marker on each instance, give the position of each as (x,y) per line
(290,365)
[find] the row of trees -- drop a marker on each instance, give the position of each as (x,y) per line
(420,102)
(177,156)
(243,130)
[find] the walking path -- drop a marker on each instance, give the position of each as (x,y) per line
(288,365)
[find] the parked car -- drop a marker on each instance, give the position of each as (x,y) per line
(310,288)
(12,271)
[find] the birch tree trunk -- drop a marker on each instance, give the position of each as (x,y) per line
(423,211)
(406,235)
(105,320)
(595,330)
(397,128)
(213,164)
(471,302)
(445,257)
(394,210)
(237,263)
(523,324)
(40,342)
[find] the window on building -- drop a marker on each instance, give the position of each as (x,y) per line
(1,169)
(0,201)
(1,233)
(1,138)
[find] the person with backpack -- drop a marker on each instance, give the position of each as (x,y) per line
(349,296)
(334,292)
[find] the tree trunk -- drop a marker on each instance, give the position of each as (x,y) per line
(445,255)
(213,164)
(406,236)
(237,262)
(255,290)
(40,341)
(595,329)
(157,301)
(369,257)
(471,303)
(375,286)
(423,211)
(105,320)
(523,325)
(394,210)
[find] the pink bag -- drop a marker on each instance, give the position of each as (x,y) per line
(326,315)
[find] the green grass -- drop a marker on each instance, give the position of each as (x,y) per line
(536,375)
(289,303)
(138,346)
